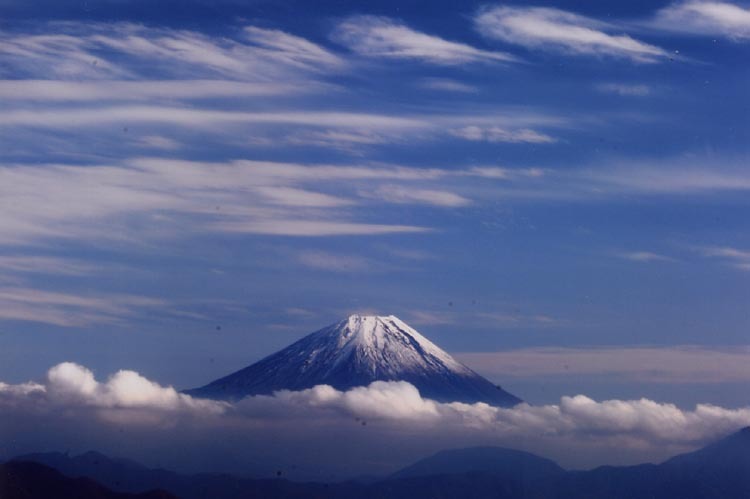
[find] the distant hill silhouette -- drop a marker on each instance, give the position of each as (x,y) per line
(30,480)
(719,471)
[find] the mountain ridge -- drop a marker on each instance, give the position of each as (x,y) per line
(478,472)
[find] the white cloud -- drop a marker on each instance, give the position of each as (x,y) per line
(73,384)
(128,399)
(623,89)
(702,17)
(409,195)
(292,49)
(373,36)
(348,140)
(335,262)
(291,196)
(159,142)
(70,309)
(651,364)
(430,318)
(447,85)
(161,90)
(72,50)
(313,228)
(197,117)
(562,31)
(727,252)
(517,320)
(63,201)
(56,201)
(670,177)
(37,264)
(644,256)
(737,258)
(498,134)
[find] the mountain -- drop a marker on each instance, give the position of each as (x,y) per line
(718,471)
(93,473)
(495,460)
(356,352)
(31,480)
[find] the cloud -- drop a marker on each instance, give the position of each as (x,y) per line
(381,37)
(707,18)
(70,309)
(77,50)
(561,31)
(312,228)
(649,364)
(671,177)
(334,262)
(72,404)
(143,199)
(346,140)
(406,195)
(197,117)
(159,90)
(159,142)
(737,258)
(644,256)
(292,49)
(348,130)
(625,90)
(498,134)
(70,201)
(430,318)
(516,320)
(123,390)
(37,264)
(447,85)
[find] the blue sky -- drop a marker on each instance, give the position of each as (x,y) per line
(187,187)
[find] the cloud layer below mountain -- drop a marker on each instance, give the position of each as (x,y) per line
(130,414)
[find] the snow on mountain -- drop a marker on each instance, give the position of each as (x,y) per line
(356,352)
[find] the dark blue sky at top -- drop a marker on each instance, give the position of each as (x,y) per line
(636,233)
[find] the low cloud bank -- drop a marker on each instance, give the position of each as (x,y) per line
(129,414)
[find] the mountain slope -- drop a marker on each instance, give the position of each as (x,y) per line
(356,352)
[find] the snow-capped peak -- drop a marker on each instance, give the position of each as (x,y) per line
(379,338)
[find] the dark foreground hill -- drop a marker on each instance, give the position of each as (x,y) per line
(30,480)
(718,471)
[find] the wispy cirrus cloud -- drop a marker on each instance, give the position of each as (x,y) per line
(625,89)
(347,130)
(411,195)
(643,256)
(705,17)
(382,37)
(447,85)
(658,364)
(162,90)
(78,50)
(262,197)
(253,197)
(336,262)
(35,264)
(498,134)
(66,309)
(561,31)
(736,257)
